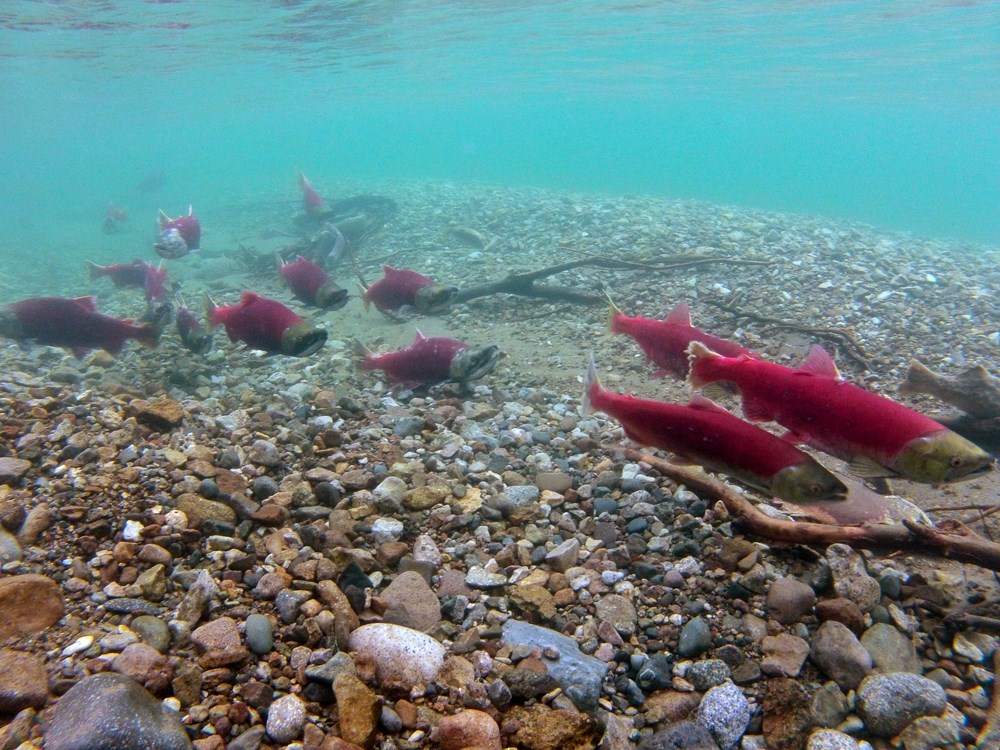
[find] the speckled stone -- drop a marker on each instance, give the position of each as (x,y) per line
(285,719)
(403,657)
(831,739)
(619,612)
(891,650)
(850,577)
(889,702)
(725,712)
(357,709)
(109,711)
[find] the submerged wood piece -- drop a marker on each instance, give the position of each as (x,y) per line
(952,542)
(850,345)
(523,284)
(974,390)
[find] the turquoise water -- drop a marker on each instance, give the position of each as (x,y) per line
(883,112)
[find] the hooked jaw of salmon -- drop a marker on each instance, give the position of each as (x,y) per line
(942,457)
(807,482)
(331,297)
(433,297)
(474,363)
(302,339)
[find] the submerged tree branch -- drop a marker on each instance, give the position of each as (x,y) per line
(954,543)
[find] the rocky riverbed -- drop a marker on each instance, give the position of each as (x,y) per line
(256,552)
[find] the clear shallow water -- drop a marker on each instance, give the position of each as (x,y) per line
(882,112)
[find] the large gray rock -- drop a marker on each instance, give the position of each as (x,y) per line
(725,712)
(891,650)
(887,703)
(579,675)
(110,711)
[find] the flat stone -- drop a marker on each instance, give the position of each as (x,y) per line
(539,727)
(469,728)
(145,665)
(839,654)
(891,650)
(28,605)
(553,481)
(153,631)
(358,709)
(109,711)
(162,415)
(931,733)
(259,634)
(12,469)
(219,641)
(831,739)
(479,578)
(788,599)
(619,612)
(579,675)
(784,655)
(403,657)
(564,556)
(682,735)
(411,602)
(199,510)
(24,683)
(423,498)
(850,577)
(670,706)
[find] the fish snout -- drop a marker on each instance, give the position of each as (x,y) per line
(433,297)
(170,244)
(302,339)
(331,296)
(474,363)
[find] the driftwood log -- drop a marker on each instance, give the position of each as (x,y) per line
(524,284)
(952,541)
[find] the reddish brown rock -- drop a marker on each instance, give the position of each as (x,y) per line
(145,665)
(787,718)
(469,729)
(24,683)
(28,604)
(163,414)
(358,709)
(219,640)
(670,706)
(542,728)
(843,611)
(411,602)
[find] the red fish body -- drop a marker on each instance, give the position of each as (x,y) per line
(72,323)
(665,342)
(430,360)
(399,287)
(707,434)
(312,285)
(122,274)
(179,236)
(312,203)
(155,284)
(820,409)
(267,325)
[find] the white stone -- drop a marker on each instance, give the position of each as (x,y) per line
(132,531)
(403,657)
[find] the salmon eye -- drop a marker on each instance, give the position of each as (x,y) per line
(815,489)
(956,462)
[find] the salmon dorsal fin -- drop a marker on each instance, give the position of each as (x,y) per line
(88,303)
(706,404)
(418,336)
(247,297)
(819,362)
(680,315)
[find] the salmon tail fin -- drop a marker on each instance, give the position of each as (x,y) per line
(362,354)
(147,334)
(94,270)
(210,308)
(702,362)
(591,384)
(918,379)
(613,312)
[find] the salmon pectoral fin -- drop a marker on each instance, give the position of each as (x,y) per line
(716,392)
(756,410)
(862,466)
